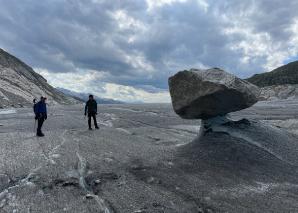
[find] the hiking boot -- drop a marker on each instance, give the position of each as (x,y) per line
(96,127)
(40,134)
(90,128)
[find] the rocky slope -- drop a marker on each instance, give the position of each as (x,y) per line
(19,84)
(287,74)
(279,92)
(279,84)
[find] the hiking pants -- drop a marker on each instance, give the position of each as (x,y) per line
(39,124)
(93,115)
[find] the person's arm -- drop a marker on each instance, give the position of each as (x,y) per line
(35,111)
(46,113)
(95,107)
(86,107)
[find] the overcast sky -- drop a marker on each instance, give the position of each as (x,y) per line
(127,49)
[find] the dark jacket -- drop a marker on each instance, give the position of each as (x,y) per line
(40,109)
(91,107)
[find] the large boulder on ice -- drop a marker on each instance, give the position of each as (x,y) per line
(203,94)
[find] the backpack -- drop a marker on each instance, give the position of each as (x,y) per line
(34,106)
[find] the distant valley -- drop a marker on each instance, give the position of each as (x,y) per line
(84,97)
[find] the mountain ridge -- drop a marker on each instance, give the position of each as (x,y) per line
(286,74)
(83,97)
(279,84)
(20,84)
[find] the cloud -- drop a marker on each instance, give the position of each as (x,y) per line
(264,30)
(152,4)
(91,81)
(139,44)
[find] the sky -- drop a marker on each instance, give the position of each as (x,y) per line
(127,49)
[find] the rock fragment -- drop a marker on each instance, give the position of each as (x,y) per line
(203,94)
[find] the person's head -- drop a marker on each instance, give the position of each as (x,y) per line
(34,100)
(43,99)
(91,97)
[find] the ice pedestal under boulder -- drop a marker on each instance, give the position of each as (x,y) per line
(245,150)
(203,94)
(211,94)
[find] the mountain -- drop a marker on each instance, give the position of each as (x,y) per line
(279,92)
(281,83)
(84,97)
(20,84)
(287,74)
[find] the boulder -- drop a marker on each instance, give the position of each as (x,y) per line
(203,94)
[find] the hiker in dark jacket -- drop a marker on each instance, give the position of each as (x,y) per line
(40,110)
(91,109)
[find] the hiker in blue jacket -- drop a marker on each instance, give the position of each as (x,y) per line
(40,110)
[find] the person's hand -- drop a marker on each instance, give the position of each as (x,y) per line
(36,117)
(45,117)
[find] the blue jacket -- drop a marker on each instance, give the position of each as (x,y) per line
(40,108)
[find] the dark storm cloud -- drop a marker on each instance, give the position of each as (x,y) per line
(135,46)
